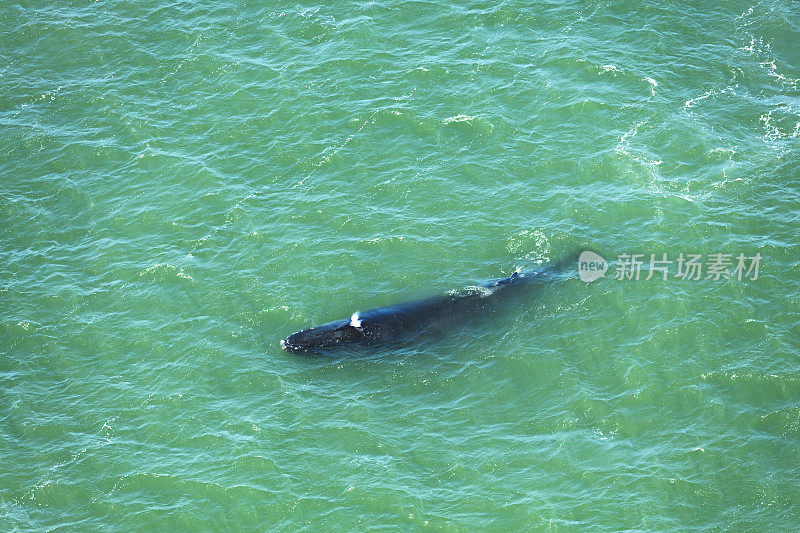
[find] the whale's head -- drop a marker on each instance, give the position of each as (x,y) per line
(327,336)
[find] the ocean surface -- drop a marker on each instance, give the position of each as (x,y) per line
(184,184)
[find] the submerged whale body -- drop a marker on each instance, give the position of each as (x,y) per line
(393,323)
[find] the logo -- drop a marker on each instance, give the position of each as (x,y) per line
(591,266)
(716,267)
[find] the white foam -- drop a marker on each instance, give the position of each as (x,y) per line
(354,320)
(459,118)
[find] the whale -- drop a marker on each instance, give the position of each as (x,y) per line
(399,322)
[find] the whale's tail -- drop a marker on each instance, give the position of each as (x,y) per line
(550,271)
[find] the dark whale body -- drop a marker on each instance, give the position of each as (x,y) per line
(393,323)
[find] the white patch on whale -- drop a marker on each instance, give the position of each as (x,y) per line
(473,290)
(354,320)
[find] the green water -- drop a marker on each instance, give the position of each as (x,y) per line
(185,184)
